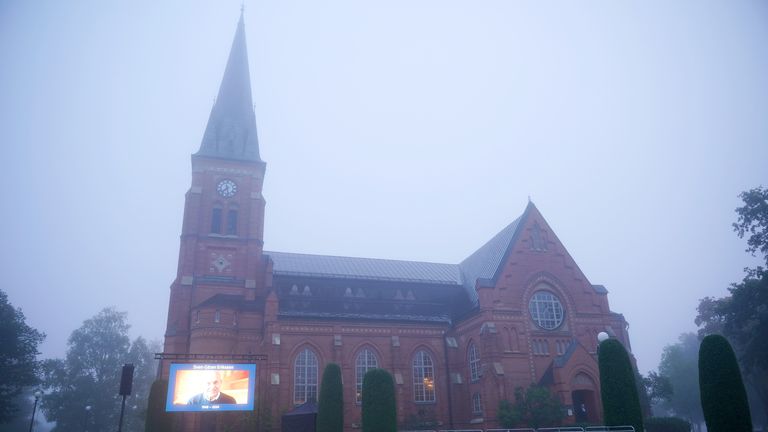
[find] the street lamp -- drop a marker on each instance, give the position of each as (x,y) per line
(38,394)
(85,422)
(603,336)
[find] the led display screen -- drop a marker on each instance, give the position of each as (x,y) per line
(211,387)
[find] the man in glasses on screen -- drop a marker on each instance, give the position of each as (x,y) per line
(212,394)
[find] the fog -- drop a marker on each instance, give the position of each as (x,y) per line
(398,129)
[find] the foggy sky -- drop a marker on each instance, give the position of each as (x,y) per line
(391,129)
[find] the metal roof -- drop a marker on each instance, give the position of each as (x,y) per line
(294,264)
(484,263)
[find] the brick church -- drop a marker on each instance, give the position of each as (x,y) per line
(457,338)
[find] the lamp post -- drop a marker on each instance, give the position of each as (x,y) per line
(38,394)
(602,336)
(85,421)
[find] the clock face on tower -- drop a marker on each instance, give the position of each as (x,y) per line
(226,188)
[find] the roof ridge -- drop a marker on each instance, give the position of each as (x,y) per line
(359,258)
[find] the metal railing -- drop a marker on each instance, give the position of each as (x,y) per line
(610,429)
(556,429)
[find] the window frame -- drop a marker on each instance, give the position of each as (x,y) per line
(306,383)
(544,318)
(473,359)
(423,369)
(363,366)
(477,403)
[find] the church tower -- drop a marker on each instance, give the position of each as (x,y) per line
(221,253)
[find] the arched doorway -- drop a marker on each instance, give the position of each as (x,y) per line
(584,397)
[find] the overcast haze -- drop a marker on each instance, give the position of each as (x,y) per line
(391,129)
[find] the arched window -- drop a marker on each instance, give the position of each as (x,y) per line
(216,220)
(232,221)
(474,362)
(423,378)
(477,404)
(305,377)
(365,361)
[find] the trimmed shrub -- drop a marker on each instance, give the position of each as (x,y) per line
(158,420)
(379,409)
(666,424)
(330,410)
(723,398)
(621,404)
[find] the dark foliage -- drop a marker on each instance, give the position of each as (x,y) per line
(507,416)
(666,424)
(753,221)
(89,376)
(379,409)
(621,404)
(723,397)
(330,410)
(658,387)
(18,357)
(158,420)
(534,407)
(742,316)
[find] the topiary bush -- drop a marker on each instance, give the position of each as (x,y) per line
(666,424)
(621,404)
(330,410)
(723,398)
(379,409)
(158,420)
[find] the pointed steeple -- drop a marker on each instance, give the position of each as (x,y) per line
(231,129)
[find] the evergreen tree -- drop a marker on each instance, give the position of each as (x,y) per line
(89,376)
(723,397)
(330,411)
(18,358)
(621,404)
(158,420)
(379,409)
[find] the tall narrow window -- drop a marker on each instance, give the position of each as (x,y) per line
(232,222)
(217,316)
(423,378)
(474,362)
(365,361)
(477,404)
(305,377)
(216,221)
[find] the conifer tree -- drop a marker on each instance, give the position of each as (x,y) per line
(330,410)
(158,420)
(723,398)
(379,409)
(621,404)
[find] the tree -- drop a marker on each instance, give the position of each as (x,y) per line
(330,410)
(508,416)
(534,407)
(158,420)
(90,376)
(679,365)
(753,221)
(18,357)
(621,404)
(723,397)
(658,387)
(742,316)
(379,409)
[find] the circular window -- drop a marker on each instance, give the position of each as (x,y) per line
(546,310)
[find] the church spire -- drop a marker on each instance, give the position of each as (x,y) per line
(231,129)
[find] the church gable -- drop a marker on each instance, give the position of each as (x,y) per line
(527,258)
